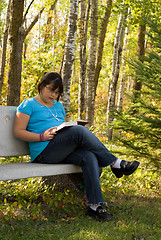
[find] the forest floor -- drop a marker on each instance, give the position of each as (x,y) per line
(36,210)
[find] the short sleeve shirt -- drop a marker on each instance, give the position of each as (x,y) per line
(41,119)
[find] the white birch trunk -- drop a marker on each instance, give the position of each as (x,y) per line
(83,26)
(115,72)
(91,62)
(103,29)
(69,53)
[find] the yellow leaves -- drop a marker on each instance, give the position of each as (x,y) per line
(1,214)
(121,224)
(69,218)
(129,134)
(34,216)
(17,205)
(105,189)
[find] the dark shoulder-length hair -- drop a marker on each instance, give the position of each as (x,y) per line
(55,79)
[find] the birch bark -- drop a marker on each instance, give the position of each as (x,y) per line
(91,62)
(118,45)
(69,54)
(104,24)
(83,26)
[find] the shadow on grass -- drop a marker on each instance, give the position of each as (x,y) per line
(136,218)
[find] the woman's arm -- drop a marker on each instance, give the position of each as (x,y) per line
(20,125)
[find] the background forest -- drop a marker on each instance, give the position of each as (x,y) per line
(108,53)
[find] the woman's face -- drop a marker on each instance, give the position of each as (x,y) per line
(48,94)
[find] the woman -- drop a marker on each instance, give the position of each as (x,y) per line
(36,121)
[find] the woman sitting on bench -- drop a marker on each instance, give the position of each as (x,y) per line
(36,121)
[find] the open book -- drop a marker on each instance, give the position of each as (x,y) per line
(72,123)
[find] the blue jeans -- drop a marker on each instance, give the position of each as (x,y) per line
(77,145)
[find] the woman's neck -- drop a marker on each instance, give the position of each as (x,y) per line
(41,101)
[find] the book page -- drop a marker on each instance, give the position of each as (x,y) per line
(72,123)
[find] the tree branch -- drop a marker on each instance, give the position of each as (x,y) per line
(24,18)
(33,22)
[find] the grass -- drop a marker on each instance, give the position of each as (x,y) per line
(30,209)
(135,218)
(136,210)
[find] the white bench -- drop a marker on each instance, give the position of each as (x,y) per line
(10,146)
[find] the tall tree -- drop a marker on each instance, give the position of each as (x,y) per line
(49,22)
(4,48)
(69,53)
(142,12)
(17,36)
(16,42)
(123,73)
(83,26)
(140,53)
(102,35)
(142,131)
(98,60)
(117,54)
(92,61)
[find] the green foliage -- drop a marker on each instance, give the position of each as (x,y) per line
(34,70)
(140,9)
(142,131)
(5,160)
(32,196)
(2,17)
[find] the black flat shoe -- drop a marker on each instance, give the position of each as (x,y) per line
(127,168)
(100,214)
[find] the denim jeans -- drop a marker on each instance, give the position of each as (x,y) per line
(77,145)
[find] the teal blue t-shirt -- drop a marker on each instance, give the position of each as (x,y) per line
(41,118)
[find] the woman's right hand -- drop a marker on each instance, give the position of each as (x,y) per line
(49,134)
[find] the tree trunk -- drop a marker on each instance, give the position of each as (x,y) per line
(115,72)
(69,54)
(141,52)
(18,34)
(83,26)
(123,74)
(101,41)
(16,42)
(48,24)
(4,48)
(91,62)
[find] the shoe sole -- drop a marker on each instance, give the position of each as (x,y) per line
(107,218)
